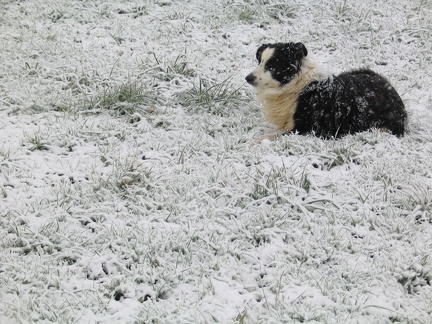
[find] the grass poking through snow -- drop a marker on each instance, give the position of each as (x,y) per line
(133,190)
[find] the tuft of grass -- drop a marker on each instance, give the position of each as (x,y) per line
(123,99)
(241,317)
(117,38)
(168,71)
(177,15)
(32,70)
(304,181)
(247,15)
(124,173)
(281,11)
(264,13)
(265,184)
(416,198)
(38,142)
(5,153)
(135,12)
(213,97)
(342,8)
(340,156)
(56,15)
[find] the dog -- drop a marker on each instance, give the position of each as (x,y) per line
(299,98)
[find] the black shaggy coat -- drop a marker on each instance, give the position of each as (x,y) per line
(348,103)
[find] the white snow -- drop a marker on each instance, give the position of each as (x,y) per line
(134,187)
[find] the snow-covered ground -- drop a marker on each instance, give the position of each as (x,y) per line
(133,188)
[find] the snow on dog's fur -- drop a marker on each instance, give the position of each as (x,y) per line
(298,97)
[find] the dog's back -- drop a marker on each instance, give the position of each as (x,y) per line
(351,102)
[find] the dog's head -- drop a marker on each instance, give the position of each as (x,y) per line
(279,63)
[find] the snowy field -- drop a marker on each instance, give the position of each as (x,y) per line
(133,188)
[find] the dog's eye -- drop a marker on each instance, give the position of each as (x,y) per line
(270,68)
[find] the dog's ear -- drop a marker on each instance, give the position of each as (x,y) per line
(260,50)
(301,49)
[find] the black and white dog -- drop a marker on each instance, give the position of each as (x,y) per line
(299,98)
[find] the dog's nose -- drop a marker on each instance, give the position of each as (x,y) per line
(250,78)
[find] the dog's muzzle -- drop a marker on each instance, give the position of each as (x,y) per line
(251,79)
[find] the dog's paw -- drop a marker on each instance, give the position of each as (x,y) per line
(265,138)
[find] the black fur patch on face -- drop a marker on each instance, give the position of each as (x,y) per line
(285,62)
(260,50)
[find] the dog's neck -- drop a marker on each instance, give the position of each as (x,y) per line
(280,103)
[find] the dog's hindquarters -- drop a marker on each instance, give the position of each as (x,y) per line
(351,102)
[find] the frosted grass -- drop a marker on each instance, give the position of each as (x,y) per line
(133,189)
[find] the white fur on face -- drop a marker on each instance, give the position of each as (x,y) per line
(264,78)
(280,103)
